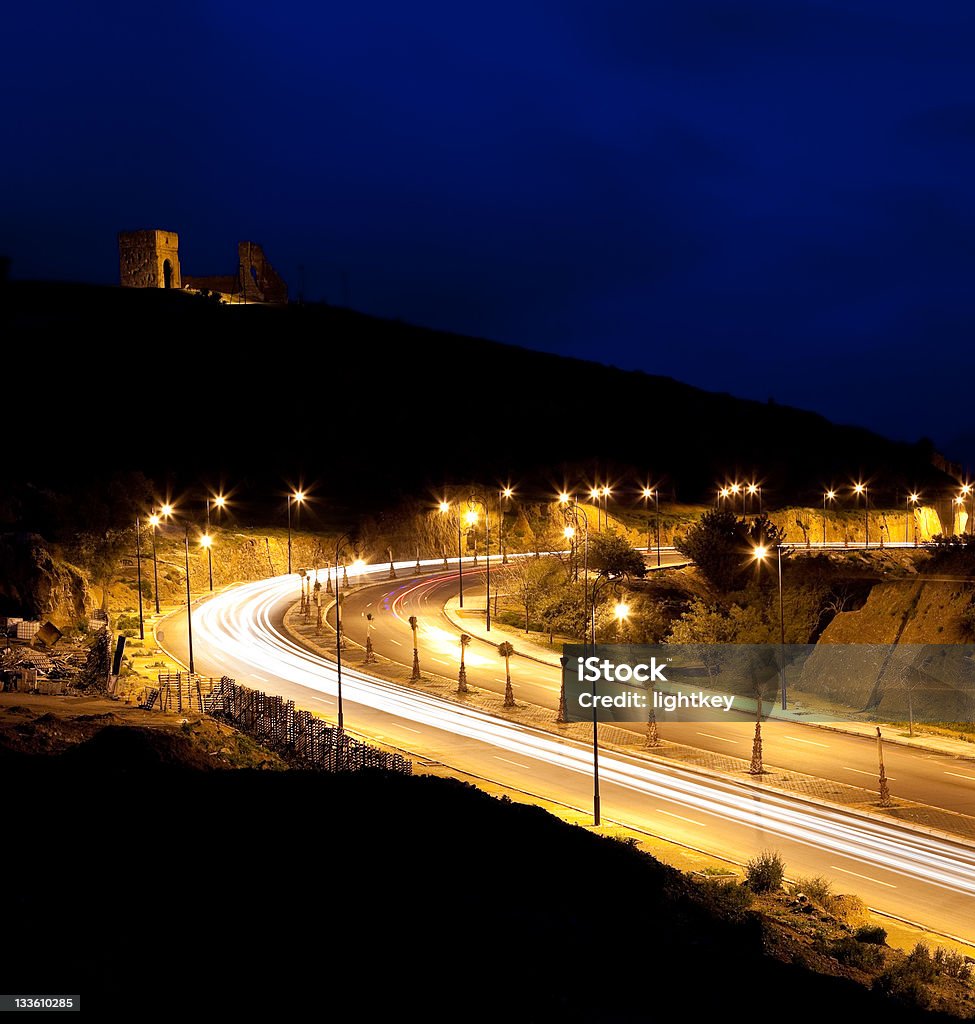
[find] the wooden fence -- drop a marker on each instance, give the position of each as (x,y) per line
(297,734)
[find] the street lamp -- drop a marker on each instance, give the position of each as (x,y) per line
(472,515)
(138,565)
(606,492)
(912,499)
(572,510)
(754,489)
(648,493)
(621,612)
(967,490)
(503,495)
(830,496)
(569,533)
(444,509)
(206,541)
(189,610)
(760,553)
(594,494)
(735,491)
(297,497)
(154,521)
(858,489)
(338,633)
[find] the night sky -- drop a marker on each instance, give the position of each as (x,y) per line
(768,198)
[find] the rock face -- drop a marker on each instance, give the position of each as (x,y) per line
(35,584)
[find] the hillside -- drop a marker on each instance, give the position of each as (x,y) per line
(373,409)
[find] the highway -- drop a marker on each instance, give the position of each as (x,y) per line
(900,871)
(926,777)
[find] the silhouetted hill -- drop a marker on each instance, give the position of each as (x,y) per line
(295,895)
(374,409)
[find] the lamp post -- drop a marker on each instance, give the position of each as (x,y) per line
(858,489)
(754,489)
(444,509)
(736,489)
(912,499)
(154,522)
(206,541)
(594,494)
(648,493)
(338,633)
(570,535)
(967,490)
(571,509)
(760,553)
(138,569)
(606,493)
(595,713)
(474,500)
(503,495)
(189,611)
(830,496)
(297,497)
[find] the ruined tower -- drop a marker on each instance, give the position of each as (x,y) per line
(149,259)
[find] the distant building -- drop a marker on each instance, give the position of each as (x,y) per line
(150,259)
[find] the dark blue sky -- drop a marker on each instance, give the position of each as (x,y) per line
(770,198)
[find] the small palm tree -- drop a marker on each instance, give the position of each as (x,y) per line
(415,675)
(506,650)
(465,639)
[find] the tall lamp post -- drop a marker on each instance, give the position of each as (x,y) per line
(967,490)
(206,541)
(858,489)
(472,502)
(829,496)
(754,489)
(154,520)
(138,566)
(338,631)
(648,493)
(189,610)
(297,497)
(504,495)
(912,499)
(444,510)
(760,553)
(572,510)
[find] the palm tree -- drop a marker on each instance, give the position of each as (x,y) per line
(757,767)
(465,639)
(506,650)
(415,675)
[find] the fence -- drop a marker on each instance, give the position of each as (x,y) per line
(278,724)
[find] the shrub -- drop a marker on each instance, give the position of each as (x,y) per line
(871,933)
(862,956)
(765,872)
(951,964)
(730,900)
(818,889)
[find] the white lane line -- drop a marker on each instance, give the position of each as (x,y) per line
(517,764)
(682,818)
(872,775)
(408,729)
(865,877)
(812,743)
(263,679)
(439,662)
(505,681)
(324,700)
(957,776)
(392,641)
(369,605)
(711,736)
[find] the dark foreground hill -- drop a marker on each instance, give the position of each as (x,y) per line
(154,889)
(374,409)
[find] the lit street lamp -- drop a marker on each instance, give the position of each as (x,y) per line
(572,510)
(206,541)
(472,515)
(858,489)
(338,632)
(829,496)
(297,497)
(760,553)
(444,509)
(154,522)
(138,566)
(648,493)
(504,495)
(189,610)
(912,499)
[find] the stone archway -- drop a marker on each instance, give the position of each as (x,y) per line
(167,274)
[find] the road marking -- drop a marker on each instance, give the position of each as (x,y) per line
(392,641)
(505,681)
(711,736)
(324,700)
(263,679)
(408,729)
(865,877)
(369,605)
(439,662)
(872,775)
(957,776)
(682,818)
(812,743)
(515,763)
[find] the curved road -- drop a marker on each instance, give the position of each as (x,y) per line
(896,869)
(940,780)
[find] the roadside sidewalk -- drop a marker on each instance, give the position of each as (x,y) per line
(471,620)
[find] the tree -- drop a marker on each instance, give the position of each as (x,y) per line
(506,650)
(721,545)
(527,580)
(614,556)
(703,626)
(465,639)
(415,674)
